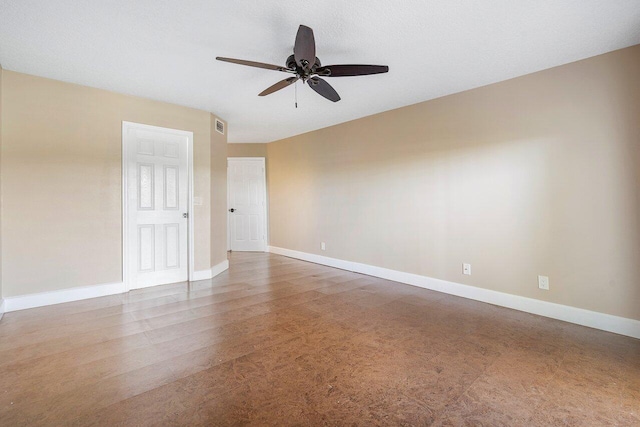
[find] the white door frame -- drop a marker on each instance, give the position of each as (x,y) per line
(190,240)
(266,200)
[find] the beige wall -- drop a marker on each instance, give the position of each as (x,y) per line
(1,74)
(218,194)
(535,175)
(61,181)
(247,150)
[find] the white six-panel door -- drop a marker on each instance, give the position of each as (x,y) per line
(157,184)
(247,204)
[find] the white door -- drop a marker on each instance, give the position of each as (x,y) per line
(247,204)
(157,186)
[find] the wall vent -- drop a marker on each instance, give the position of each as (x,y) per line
(220,126)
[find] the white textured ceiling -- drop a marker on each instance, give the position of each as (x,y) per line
(165,50)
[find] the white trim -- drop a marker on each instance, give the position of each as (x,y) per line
(228,216)
(212,272)
(191,213)
(265,198)
(592,319)
(219,268)
(125,204)
(190,209)
(23,302)
(201,275)
(42,299)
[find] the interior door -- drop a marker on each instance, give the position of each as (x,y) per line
(157,205)
(247,204)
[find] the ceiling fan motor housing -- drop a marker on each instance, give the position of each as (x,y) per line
(291,64)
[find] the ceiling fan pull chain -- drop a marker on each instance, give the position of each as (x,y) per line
(296,91)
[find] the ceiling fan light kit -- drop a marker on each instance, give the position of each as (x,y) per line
(305,66)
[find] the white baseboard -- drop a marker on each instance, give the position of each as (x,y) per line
(219,268)
(23,302)
(212,272)
(592,319)
(201,275)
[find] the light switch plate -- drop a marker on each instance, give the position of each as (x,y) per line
(197,201)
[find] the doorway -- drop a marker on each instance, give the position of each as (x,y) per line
(247,204)
(157,166)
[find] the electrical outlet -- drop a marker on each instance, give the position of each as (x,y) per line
(466,269)
(323,246)
(543,282)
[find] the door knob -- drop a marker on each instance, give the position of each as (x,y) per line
(232,210)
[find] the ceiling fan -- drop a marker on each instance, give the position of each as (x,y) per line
(305,66)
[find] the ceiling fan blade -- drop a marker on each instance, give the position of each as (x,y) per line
(304,50)
(254,64)
(323,88)
(351,70)
(280,85)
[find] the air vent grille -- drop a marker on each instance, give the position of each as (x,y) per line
(220,126)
